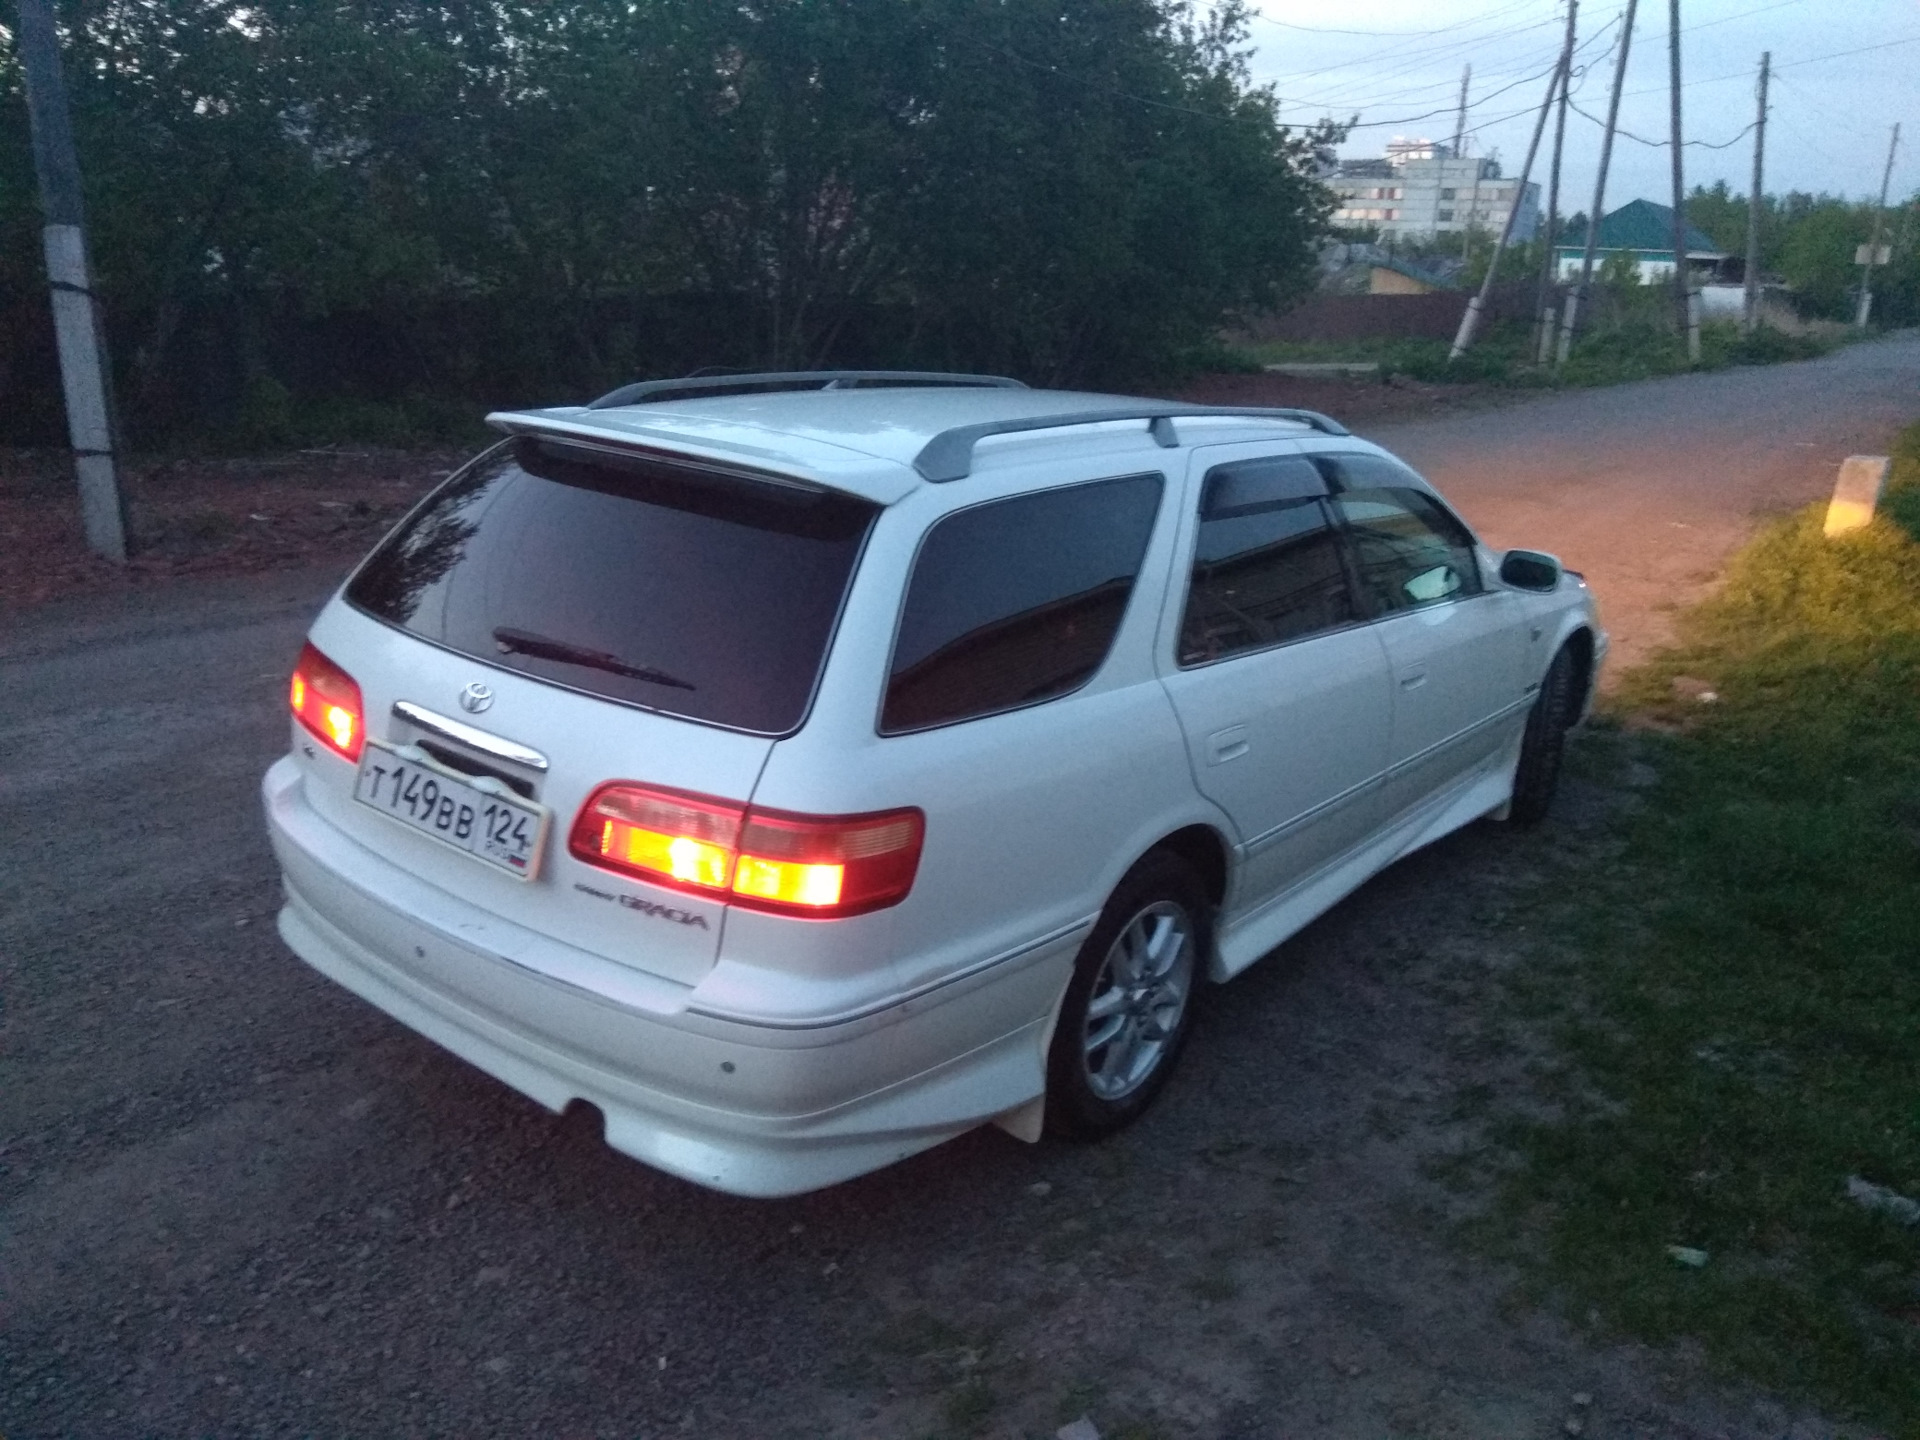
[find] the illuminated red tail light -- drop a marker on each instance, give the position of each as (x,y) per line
(823,866)
(326,700)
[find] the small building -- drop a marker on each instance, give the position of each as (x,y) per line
(1643,230)
(1420,188)
(1391,276)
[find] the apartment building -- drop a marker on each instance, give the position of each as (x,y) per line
(1420,189)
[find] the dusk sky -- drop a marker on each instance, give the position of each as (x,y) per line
(1397,63)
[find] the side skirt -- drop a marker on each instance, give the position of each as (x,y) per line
(1248,937)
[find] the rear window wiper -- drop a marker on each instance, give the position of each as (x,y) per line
(543,647)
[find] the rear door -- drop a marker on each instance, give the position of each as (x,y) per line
(1454,646)
(557,618)
(1280,684)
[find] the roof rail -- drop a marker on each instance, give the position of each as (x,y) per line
(648,390)
(949,455)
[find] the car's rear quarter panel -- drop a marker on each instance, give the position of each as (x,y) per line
(1033,815)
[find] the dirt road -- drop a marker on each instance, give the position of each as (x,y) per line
(1647,487)
(233,1199)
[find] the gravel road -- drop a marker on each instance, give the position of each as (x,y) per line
(235,1200)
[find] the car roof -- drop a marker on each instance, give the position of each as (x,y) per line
(864,441)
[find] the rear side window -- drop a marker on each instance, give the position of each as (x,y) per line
(1016,601)
(1266,562)
(1409,549)
(695,593)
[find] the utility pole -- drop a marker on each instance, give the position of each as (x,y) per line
(1543,305)
(1686,305)
(76,315)
(1574,300)
(1873,245)
(1750,305)
(1470,321)
(1460,123)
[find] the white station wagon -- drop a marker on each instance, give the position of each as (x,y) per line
(804,769)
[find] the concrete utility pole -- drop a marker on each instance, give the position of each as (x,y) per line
(76,317)
(1543,305)
(1687,303)
(1470,321)
(1873,245)
(1460,123)
(1574,300)
(1750,304)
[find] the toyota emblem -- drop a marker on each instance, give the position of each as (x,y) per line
(476,697)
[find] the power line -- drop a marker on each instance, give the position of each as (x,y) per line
(1803,136)
(1841,54)
(1450,109)
(1362,94)
(1425,55)
(1363,91)
(1365,88)
(1811,60)
(1466,42)
(1327,30)
(1729,19)
(1369,34)
(1579,76)
(1495,13)
(1664,144)
(1523,80)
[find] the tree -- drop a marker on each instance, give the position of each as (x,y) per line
(521,200)
(1809,242)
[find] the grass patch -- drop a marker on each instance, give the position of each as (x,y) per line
(1638,349)
(1739,1007)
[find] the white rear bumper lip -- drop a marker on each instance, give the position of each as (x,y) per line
(727,1104)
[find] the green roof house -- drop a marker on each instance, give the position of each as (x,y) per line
(1643,230)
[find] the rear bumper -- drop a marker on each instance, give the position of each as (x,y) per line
(735,1106)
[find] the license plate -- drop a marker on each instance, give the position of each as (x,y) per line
(475,814)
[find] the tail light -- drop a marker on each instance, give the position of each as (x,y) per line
(326,700)
(823,866)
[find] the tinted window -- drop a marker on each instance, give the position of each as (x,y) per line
(672,588)
(1409,550)
(1017,601)
(1266,563)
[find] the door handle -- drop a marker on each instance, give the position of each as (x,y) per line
(1413,679)
(1227,744)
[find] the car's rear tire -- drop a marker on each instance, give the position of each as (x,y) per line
(1544,744)
(1129,1005)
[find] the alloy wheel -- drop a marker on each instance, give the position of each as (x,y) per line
(1138,999)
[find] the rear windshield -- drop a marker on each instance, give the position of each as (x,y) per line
(691,592)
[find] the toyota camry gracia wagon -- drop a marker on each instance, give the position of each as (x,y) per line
(804,769)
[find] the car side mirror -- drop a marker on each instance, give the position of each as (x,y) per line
(1530,570)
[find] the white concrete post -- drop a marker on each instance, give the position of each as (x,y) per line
(83,365)
(1856,494)
(76,315)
